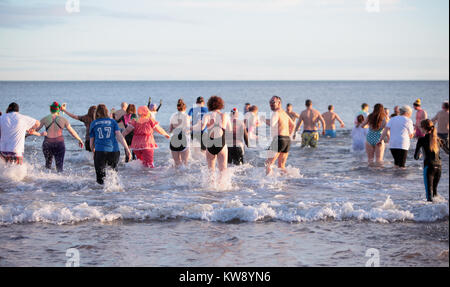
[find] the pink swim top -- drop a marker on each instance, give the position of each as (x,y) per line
(143,135)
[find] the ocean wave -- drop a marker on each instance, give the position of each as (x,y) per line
(230,211)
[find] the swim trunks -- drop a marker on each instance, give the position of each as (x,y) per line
(330,133)
(281,144)
(310,138)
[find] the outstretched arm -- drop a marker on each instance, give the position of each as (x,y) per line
(161,131)
(128,130)
(75,117)
(75,135)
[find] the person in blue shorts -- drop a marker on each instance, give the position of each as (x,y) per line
(330,118)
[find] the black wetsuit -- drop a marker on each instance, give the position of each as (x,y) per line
(431,165)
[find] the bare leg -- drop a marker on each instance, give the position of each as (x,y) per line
(379,151)
(176,158)
(270,162)
(223,159)
(185,156)
(211,159)
(282,161)
(370,150)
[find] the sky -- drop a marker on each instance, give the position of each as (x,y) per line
(225,40)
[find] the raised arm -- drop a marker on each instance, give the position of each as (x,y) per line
(160,104)
(75,117)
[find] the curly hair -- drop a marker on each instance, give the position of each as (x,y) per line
(215,103)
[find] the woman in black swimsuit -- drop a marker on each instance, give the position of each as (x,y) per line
(217,123)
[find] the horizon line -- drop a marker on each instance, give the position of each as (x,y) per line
(325,80)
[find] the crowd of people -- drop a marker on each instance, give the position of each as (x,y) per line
(222,136)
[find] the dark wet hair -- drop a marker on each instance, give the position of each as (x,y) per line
(308,103)
(101,112)
(377,116)
(330,107)
(131,109)
(13,107)
(360,119)
(253,108)
(445,105)
(181,106)
(289,105)
(200,100)
(91,112)
(215,103)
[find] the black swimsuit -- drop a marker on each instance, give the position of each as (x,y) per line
(215,149)
(178,142)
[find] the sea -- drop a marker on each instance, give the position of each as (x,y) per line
(330,209)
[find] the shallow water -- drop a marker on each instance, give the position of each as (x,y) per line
(327,211)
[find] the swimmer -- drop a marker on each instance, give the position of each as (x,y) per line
(441,119)
(217,124)
(281,129)
(236,139)
(293,115)
(359,135)
(53,145)
(310,117)
(330,118)
(180,128)
(376,122)
(421,115)
(432,166)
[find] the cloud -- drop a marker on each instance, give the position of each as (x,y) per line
(37,16)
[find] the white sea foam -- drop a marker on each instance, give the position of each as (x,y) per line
(232,210)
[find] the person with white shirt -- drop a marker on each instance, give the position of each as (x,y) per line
(13,127)
(401,130)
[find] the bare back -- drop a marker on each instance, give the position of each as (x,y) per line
(330,119)
(442,119)
(310,117)
(54,125)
